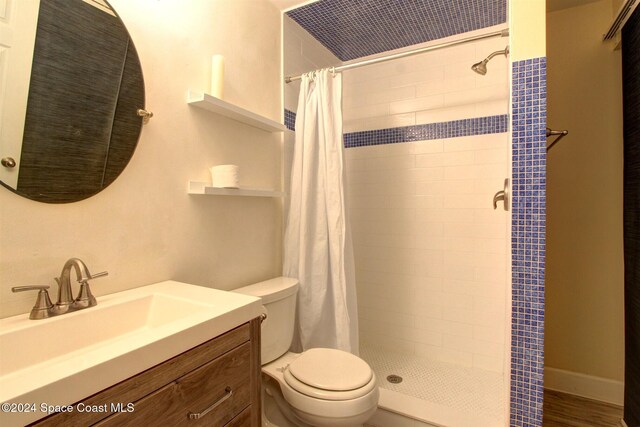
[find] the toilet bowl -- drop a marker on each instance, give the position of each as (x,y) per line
(319,387)
(343,397)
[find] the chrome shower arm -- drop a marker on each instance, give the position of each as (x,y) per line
(504,52)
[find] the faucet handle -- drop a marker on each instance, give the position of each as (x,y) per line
(97,275)
(43,306)
(85,297)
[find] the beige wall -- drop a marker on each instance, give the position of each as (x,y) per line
(526,29)
(145,227)
(584,323)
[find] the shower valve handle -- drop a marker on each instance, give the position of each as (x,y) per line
(502,195)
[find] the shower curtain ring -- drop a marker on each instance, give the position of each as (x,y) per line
(333,71)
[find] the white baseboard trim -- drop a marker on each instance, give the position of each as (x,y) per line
(597,388)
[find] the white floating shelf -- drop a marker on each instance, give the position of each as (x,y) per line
(218,106)
(196,187)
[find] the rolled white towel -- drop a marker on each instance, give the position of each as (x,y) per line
(224,176)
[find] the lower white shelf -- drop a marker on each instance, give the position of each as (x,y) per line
(196,187)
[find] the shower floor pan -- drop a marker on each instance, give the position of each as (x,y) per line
(438,393)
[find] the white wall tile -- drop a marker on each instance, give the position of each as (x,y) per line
(380,96)
(477,142)
(417,104)
(496,156)
(430,146)
(477,95)
(445,114)
(490,334)
(380,122)
(366,111)
(431,253)
(492,108)
(444,215)
(444,354)
(488,363)
(445,159)
(394,162)
(445,187)
(416,77)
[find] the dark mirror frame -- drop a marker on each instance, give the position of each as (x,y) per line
(81,124)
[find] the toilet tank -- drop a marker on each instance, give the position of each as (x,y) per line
(279,299)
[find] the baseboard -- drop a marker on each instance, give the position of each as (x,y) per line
(591,387)
(623,424)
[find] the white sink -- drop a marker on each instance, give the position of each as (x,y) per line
(61,360)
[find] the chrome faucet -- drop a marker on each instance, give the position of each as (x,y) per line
(66,303)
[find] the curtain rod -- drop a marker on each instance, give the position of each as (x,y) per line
(625,11)
(501,33)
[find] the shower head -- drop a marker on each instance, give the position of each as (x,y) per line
(481,67)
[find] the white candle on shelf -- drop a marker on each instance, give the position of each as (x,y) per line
(217,76)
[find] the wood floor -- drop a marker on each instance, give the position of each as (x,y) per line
(566,410)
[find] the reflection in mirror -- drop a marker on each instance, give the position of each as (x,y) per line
(80,123)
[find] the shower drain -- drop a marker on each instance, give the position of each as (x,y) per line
(394,379)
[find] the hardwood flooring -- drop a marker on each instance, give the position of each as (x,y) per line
(566,410)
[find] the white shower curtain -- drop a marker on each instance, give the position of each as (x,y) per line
(317,245)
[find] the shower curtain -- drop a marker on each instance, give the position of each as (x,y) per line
(317,244)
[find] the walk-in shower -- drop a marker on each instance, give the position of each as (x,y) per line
(426,149)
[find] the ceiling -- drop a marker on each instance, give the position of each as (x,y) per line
(352,29)
(552,5)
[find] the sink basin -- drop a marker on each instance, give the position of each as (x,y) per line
(61,360)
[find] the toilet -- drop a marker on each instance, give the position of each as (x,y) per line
(319,387)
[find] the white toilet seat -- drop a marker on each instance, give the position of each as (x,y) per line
(331,369)
(318,407)
(319,393)
(334,408)
(330,374)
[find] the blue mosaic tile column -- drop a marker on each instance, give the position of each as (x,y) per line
(290,119)
(528,240)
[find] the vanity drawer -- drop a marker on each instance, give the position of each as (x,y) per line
(153,380)
(241,420)
(224,381)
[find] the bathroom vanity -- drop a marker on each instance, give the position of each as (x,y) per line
(170,353)
(222,375)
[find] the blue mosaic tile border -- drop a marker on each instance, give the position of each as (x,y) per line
(528,189)
(353,29)
(289,119)
(452,129)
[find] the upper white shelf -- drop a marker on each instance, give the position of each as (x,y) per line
(196,187)
(216,105)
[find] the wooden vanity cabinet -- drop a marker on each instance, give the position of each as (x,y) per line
(223,373)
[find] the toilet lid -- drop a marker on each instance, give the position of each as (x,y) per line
(331,370)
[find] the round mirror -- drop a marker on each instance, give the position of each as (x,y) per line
(69,100)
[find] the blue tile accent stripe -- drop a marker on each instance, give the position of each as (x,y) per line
(353,29)
(528,189)
(452,129)
(289,119)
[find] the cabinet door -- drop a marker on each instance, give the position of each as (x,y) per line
(224,382)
